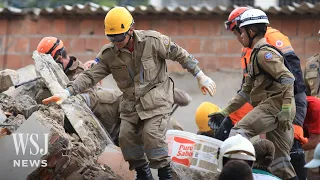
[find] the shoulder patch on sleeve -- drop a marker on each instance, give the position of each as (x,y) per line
(268,55)
(97,60)
(312,66)
(279,43)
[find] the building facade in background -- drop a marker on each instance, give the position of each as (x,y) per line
(264,4)
(200,30)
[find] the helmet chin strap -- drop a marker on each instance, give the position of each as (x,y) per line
(250,38)
(131,36)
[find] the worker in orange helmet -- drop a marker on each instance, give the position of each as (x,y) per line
(280,41)
(55,47)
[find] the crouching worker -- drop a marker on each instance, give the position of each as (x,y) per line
(269,87)
(137,61)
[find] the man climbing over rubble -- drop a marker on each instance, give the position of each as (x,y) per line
(278,40)
(103,102)
(106,109)
(269,87)
(136,59)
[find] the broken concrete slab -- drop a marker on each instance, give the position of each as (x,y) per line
(113,157)
(27,73)
(78,113)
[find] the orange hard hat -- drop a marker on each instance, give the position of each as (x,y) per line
(234,15)
(89,64)
(50,45)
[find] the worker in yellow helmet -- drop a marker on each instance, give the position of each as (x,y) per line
(137,61)
(202,118)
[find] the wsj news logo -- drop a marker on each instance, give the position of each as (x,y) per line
(21,141)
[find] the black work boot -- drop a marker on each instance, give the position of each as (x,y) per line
(165,173)
(144,172)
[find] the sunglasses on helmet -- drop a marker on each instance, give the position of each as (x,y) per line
(227,24)
(117,37)
(61,53)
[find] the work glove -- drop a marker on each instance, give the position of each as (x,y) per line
(298,134)
(215,119)
(284,118)
(58,98)
(206,84)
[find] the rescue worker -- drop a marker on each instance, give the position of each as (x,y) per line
(235,148)
(269,87)
(280,41)
(136,59)
(106,108)
(312,75)
(71,66)
(202,119)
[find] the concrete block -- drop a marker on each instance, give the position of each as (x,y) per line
(27,73)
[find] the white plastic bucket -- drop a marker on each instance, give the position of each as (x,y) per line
(205,153)
(180,146)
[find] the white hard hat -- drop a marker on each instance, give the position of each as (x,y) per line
(315,162)
(236,147)
(252,16)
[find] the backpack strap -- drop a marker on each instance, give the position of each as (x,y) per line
(261,70)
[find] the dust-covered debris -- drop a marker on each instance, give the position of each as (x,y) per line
(22,104)
(80,116)
(180,172)
(68,158)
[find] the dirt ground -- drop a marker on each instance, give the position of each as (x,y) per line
(228,82)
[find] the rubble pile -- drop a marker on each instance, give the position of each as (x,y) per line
(70,155)
(180,172)
(78,147)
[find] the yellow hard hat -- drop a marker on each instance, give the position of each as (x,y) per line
(202,113)
(118,20)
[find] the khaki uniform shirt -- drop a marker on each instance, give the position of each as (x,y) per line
(75,69)
(312,76)
(261,89)
(141,75)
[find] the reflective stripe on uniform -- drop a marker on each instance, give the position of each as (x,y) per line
(280,163)
(191,63)
(235,131)
(132,153)
(286,49)
(287,80)
(157,152)
(244,95)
